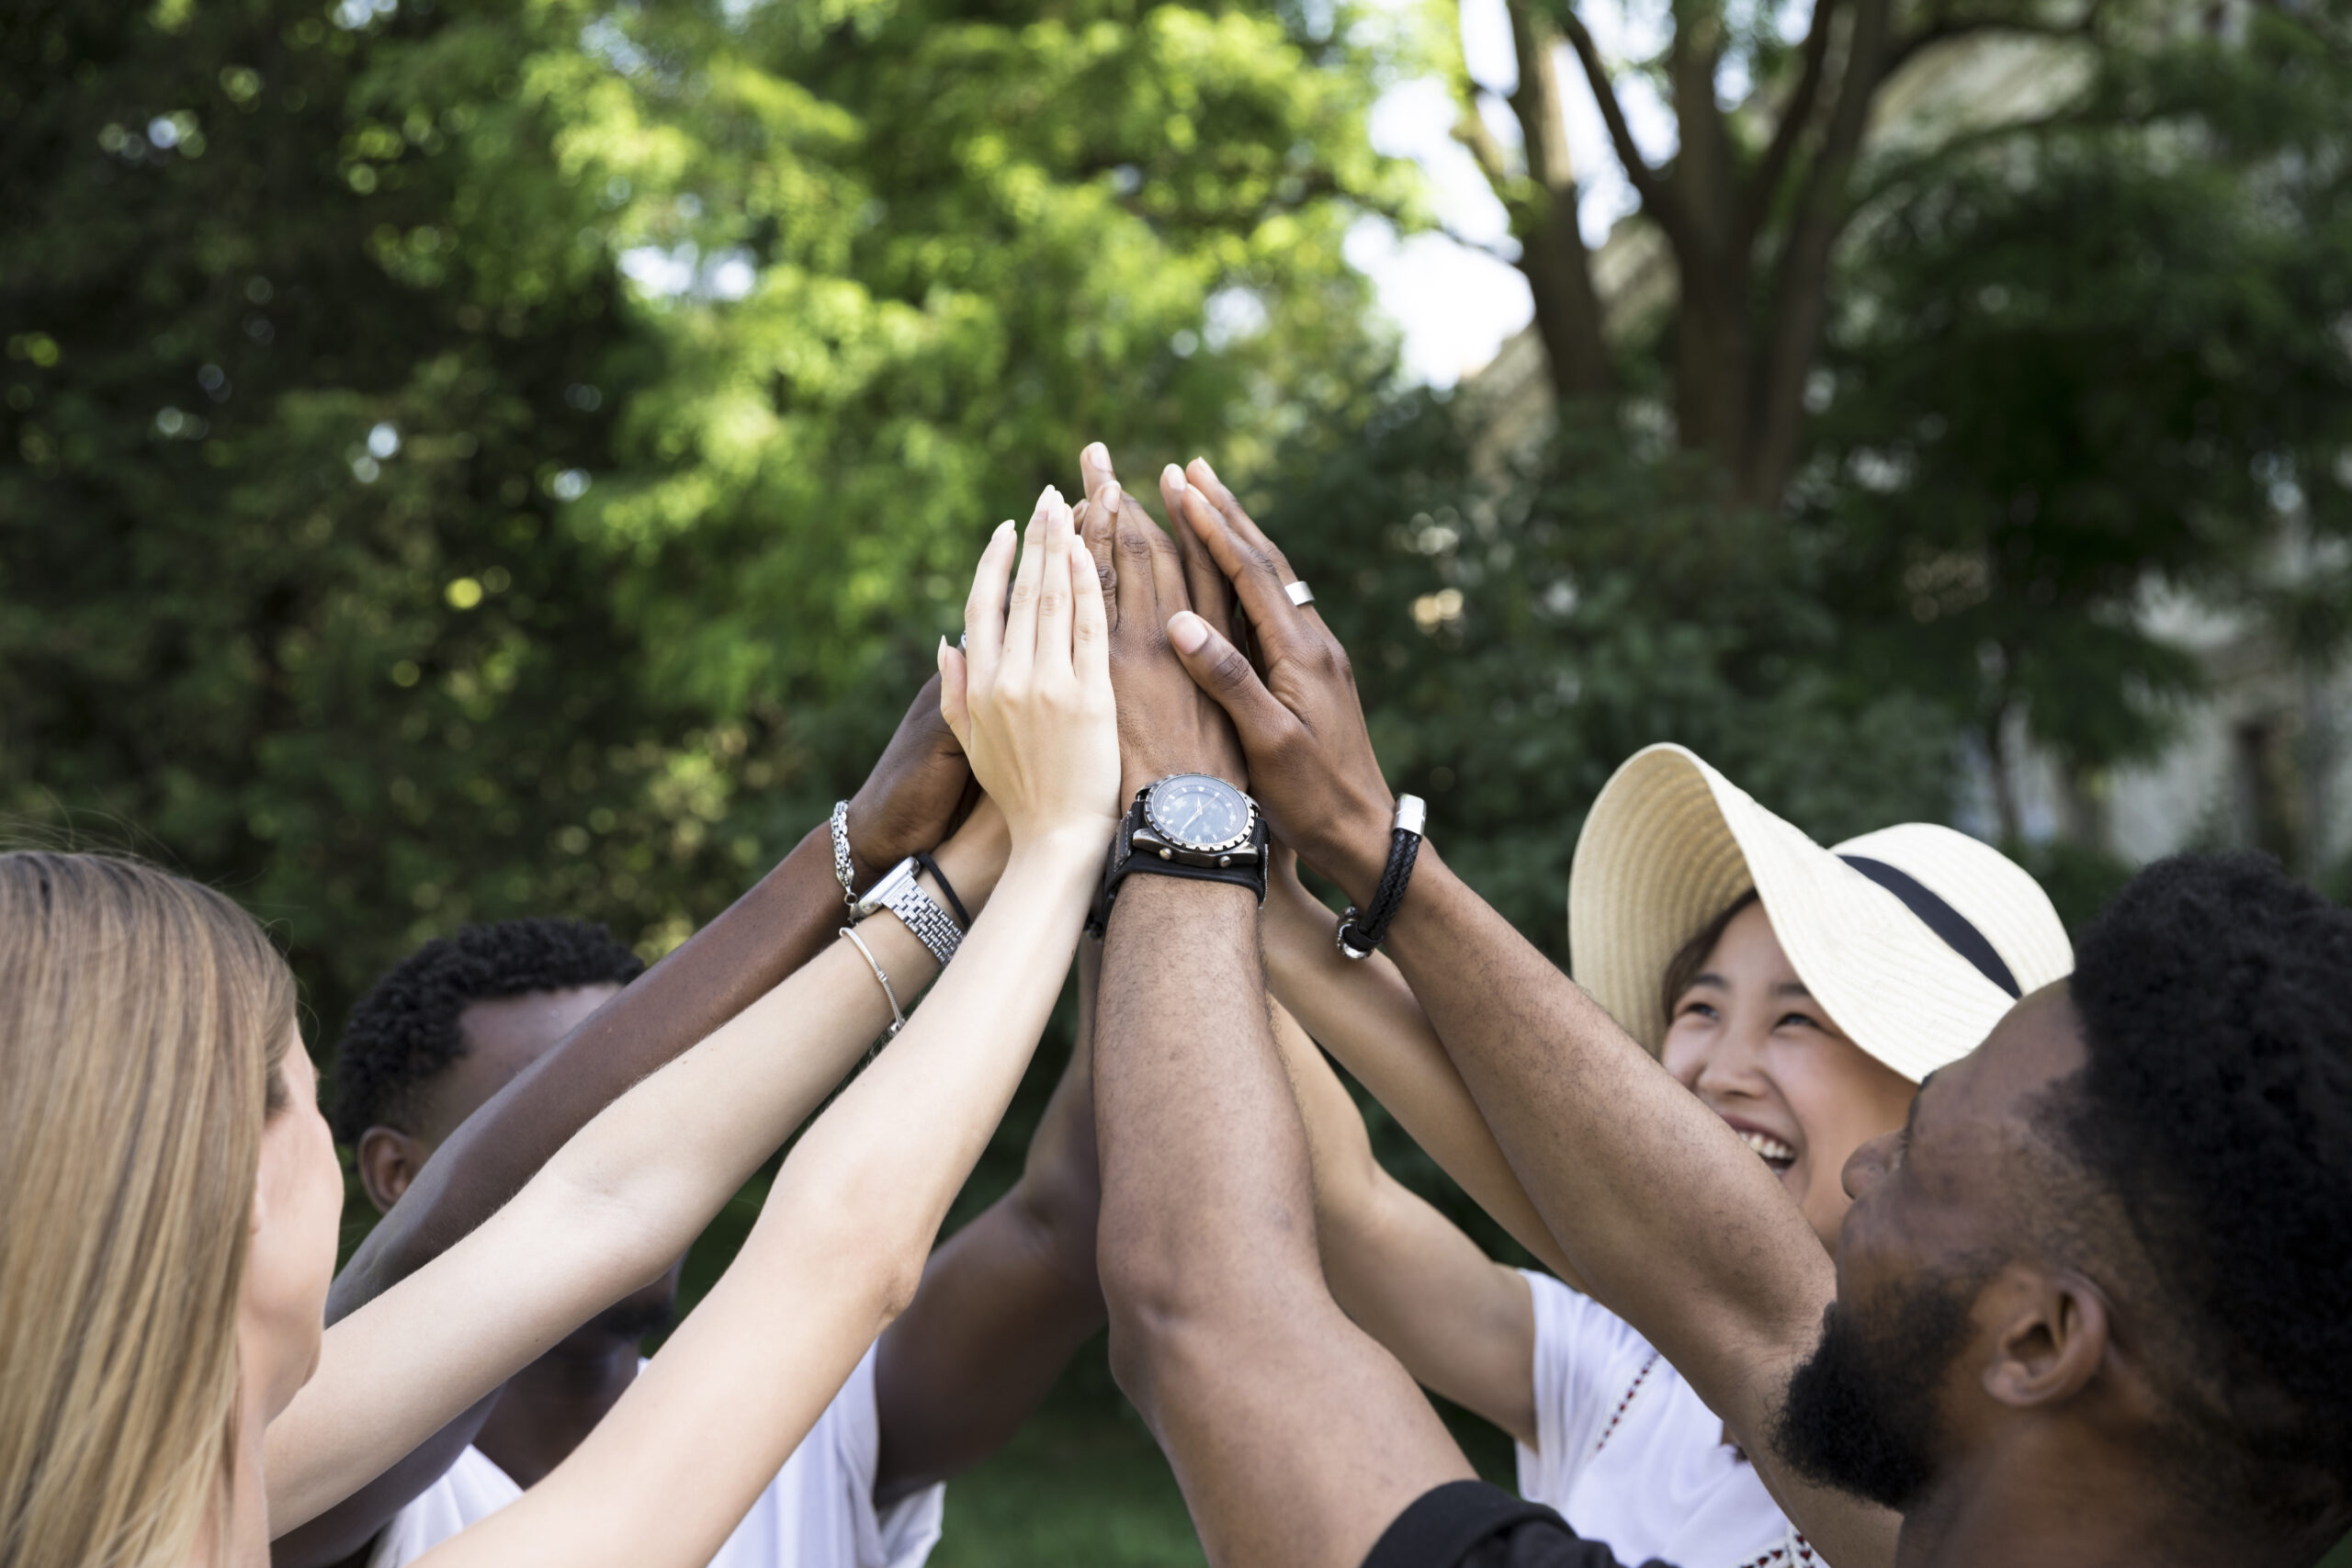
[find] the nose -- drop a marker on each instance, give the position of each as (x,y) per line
(1731,1065)
(1866,1165)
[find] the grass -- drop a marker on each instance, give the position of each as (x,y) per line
(1083,1482)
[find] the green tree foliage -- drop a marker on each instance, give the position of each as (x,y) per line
(511,458)
(2094,362)
(1518,634)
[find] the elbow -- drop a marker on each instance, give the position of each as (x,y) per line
(1161,1323)
(1059,1211)
(873,1251)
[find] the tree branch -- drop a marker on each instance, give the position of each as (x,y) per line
(1472,131)
(1800,292)
(1795,116)
(1944,27)
(1655,197)
(1484,247)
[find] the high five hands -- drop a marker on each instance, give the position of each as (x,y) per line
(1029,698)
(1300,728)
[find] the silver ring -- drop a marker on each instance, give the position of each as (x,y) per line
(1300,594)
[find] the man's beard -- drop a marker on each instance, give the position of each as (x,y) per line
(1861,1413)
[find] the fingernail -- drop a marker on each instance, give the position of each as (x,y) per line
(1001,528)
(1109,496)
(1096,453)
(1173,477)
(1203,462)
(1187,631)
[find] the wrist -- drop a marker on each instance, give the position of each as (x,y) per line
(974,858)
(1354,851)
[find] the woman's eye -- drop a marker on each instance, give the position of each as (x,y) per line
(1699,1009)
(1797,1021)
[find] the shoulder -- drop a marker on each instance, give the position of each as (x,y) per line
(1572,1325)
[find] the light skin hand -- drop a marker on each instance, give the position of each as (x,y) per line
(1030,698)
(1167,725)
(1311,763)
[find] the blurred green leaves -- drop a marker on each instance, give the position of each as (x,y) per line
(464,460)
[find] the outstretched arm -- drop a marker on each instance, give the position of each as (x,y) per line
(905,804)
(1662,1210)
(1463,1324)
(1363,1014)
(1296,1438)
(839,1248)
(1005,1302)
(609,1213)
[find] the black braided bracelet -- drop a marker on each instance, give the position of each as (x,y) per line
(1360,931)
(947,888)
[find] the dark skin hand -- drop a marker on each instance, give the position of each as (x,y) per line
(1163,728)
(1296,1438)
(909,802)
(1664,1212)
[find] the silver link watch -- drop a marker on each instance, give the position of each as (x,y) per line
(903,896)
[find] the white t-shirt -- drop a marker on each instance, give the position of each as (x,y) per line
(818,1513)
(1630,1456)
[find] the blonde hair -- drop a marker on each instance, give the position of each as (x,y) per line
(143,1020)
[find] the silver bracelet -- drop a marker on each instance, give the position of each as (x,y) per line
(897,1019)
(842,870)
(903,896)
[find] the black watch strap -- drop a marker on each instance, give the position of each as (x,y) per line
(1123,860)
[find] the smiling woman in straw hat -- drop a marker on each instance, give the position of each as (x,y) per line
(1801,992)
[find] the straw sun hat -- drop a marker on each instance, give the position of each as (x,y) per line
(1916,939)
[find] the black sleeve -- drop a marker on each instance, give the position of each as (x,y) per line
(1469,1524)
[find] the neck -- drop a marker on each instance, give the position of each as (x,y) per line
(548,1407)
(2061,1505)
(245,1496)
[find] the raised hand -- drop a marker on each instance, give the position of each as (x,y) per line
(1167,725)
(1310,757)
(1029,698)
(919,789)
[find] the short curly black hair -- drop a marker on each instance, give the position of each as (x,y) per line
(405,1029)
(2215,1114)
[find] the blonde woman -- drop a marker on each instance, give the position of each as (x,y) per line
(1800,992)
(169,1193)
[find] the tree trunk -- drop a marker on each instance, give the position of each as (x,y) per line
(1552,250)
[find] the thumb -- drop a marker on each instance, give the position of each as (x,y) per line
(953,705)
(1219,669)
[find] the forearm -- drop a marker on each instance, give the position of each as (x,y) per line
(1295,1437)
(1366,1016)
(1462,1323)
(1006,1301)
(610,1211)
(1661,1210)
(790,915)
(1189,1099)
(835,1255)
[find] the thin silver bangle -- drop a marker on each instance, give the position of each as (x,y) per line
(897,1019)
(843,870)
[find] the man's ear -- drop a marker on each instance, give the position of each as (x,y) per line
(389,1160)
(2050,1335)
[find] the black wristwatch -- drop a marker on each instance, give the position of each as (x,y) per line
(1186,824)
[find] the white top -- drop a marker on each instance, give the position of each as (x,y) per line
(1630,1456)
(818,1513)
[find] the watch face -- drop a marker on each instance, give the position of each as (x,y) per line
(1198,812)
